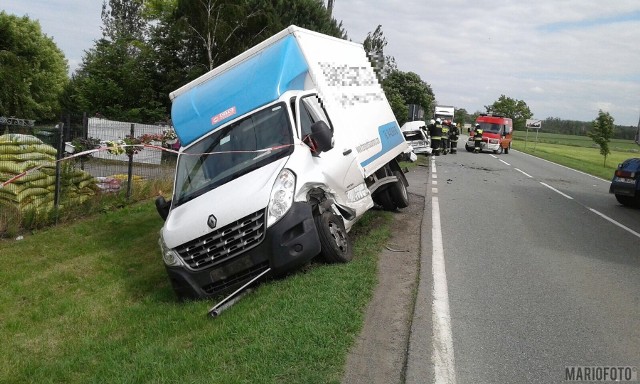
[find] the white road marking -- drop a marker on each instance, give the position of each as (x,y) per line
(615,222)
(502,161)
(434,182)
(494,156)
(442,357)
(571,198)
(523,172)
(434,190)
(564,166)
(555,190)
(434,176)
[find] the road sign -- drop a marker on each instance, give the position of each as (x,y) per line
(534,124)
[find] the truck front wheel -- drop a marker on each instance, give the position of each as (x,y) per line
(398,191)
(333,238)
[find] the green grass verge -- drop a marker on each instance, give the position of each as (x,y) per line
(617,145)
(576,152)
(90,302)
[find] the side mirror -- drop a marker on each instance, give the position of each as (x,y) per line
(162,206)
(322,135)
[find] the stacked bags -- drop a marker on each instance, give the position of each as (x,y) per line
(36,189)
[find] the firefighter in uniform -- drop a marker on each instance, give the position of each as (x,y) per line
(445,137)
(453,137)
(477,139)
(436,137)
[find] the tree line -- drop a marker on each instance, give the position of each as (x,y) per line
(582,128)
(150,48)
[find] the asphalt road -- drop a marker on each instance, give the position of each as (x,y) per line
(542,269)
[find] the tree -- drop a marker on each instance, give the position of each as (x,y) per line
(410,87)
(114,78)
(374,45)
(32,68)
(122,19)
(309,14)
(601,132)
(517,110)
(218,25)
(461,117)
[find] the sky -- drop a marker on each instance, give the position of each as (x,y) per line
(564,58)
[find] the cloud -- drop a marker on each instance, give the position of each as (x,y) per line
(561,58)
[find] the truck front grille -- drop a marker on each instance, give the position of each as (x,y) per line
(226,242)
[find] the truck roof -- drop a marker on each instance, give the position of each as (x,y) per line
(254,78)
(493,118)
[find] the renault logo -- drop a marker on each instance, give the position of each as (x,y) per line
(212,221)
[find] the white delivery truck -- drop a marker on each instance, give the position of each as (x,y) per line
(444,112)
(283,148)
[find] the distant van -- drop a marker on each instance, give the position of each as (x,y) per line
(497,132)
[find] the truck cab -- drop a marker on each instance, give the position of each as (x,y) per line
(497,133)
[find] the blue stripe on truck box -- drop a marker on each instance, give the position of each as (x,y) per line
(244,87)
(390,137)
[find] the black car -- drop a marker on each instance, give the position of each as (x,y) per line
(625,184)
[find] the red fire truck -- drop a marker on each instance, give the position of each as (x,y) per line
(497,132)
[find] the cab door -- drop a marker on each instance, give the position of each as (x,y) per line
(338,165)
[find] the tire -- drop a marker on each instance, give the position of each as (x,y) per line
(398,191)
(384,199)
(469,149)
(334,240)
(629,201)
(499,151)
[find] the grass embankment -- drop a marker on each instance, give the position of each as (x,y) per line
(577,152)
(90,302)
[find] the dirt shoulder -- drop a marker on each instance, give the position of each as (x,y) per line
(380,352)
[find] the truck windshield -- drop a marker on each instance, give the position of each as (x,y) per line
(233,151)
(490,127)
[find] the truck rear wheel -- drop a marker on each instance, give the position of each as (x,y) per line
(333,238)
(398,191)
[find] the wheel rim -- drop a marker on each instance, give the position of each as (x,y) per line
(338,236)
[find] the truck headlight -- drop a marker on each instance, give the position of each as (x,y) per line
(494,141)
(281,197)
(169,256)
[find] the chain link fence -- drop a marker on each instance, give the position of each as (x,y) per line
(45,169)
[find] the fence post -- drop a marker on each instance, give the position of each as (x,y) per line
(130,170)
(85,125)
(59,155)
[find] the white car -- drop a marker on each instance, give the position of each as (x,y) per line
(415,133)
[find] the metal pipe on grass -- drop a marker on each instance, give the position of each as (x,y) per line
(233,298)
